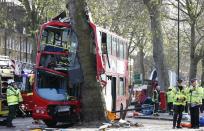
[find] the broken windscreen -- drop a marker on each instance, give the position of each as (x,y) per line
(51,86)
(57,36)
(54,61)
(64,38)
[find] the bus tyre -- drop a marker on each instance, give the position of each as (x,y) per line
(50,123)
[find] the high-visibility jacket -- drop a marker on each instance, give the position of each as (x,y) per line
(13,96)
(20,98)
(155,97)
(169,96)
(196,95)
(203,92)
(187,92)
(179,97)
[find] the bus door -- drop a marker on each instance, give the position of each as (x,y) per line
(113,93)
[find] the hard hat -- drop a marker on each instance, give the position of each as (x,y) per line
(10,81)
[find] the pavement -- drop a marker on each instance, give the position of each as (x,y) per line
(162,116)
(165,116)
(146,123)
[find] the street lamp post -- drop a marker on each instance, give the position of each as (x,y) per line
(178,53)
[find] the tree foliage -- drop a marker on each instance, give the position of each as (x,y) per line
(192,34)
(128,19)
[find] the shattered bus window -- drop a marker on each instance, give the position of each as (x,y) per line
(57,37)
(52,86)
(56,62)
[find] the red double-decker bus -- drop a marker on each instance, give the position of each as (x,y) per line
(56,98)
(56,93)
(111,51)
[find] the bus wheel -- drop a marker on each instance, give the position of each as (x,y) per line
(50,123)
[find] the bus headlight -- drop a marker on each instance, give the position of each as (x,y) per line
(37,111)
(42,112)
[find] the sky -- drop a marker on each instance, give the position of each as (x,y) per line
(15,1)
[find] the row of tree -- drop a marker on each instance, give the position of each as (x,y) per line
(151,27)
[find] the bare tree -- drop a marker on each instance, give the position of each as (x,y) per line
(191,11)
(153,7)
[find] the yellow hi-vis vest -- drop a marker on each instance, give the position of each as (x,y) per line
(179,97)
(169,96)
(196,96)
(20,98)
(187,92)
(155,96)
(13,96)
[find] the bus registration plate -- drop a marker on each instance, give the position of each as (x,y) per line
(63,108)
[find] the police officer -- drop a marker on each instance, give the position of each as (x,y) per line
(179,101)
(195,102)
(13,99)
(170,100)
(187,90)
(156,100)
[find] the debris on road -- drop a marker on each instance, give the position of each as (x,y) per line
(118,124)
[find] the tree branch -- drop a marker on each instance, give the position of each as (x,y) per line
(175,19)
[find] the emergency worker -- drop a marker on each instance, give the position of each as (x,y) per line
(13,99)
(170,100)
(156,100)
(202,105)
(187,90)
(196,94)
(179,101)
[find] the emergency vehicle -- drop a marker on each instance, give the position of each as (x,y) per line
(6,73)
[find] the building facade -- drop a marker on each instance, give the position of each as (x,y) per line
(16,45)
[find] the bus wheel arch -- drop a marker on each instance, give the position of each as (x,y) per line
(50,123)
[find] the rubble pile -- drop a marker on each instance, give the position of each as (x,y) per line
(119,124)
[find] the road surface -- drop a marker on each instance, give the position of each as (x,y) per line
(26,124)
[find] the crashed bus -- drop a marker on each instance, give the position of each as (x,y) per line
(56,92)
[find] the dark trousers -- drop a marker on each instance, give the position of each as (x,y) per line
(194,116)
(178,109)
(12,114)
(170,106)
(186,107)
(156,107)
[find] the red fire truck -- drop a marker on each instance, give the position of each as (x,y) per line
(56,93)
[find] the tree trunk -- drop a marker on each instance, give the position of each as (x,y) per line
(202,76)
(193,68)
(142,68)
(157,40)
(92,98)
(193,57)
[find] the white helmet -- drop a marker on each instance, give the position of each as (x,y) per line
(10,81)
